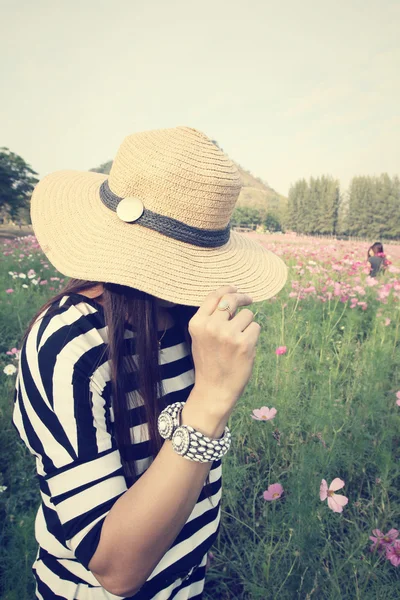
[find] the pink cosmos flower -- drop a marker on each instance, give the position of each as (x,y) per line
(335,501)
(353,302)
(371,281)
(43,282)
(393,553)
(382,540)
(13,351)
(281,350)
(274,492)
(264,413)
(387,321)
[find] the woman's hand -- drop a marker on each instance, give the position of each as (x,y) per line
(223,347)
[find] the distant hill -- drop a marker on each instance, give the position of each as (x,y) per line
(258,194)
(255,193)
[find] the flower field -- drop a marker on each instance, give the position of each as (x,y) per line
(311,504)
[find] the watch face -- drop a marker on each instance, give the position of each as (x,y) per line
(165,425)
(181,440)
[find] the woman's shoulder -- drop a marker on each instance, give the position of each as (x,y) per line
(71,321)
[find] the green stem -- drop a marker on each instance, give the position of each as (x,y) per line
(286,578)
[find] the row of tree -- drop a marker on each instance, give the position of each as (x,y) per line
(370,207)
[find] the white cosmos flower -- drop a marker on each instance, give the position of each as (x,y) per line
(10,370)
(22,276)
(3,488)
(34,281)
(24,285)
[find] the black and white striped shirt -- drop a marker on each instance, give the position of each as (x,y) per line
(64,415)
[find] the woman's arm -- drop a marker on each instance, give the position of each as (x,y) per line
(146,519)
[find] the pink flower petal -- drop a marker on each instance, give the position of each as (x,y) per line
(336,485)
(276,488)
(341,500)
(373,539)
(337,502)
(392,533)
(274,492)
(393,553)
(323,490)
(378,533)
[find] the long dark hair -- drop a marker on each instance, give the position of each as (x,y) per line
(376,248)
(123,304)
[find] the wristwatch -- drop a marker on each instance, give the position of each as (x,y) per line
(187,441)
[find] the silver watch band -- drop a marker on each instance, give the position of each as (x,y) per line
(196,446)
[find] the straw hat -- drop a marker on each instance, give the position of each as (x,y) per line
(159,222)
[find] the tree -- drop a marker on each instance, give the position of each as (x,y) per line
(272,222)
(104,168)
(329,204)
(17,180)
(245,216)
(297,215)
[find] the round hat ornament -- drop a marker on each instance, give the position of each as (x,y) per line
(130,209)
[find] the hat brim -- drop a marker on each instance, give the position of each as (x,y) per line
(84,239)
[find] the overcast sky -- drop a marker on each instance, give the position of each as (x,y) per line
(289,89)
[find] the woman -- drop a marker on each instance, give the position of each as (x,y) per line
(126,412)
(377,259)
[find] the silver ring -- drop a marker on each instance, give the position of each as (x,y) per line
(224,306)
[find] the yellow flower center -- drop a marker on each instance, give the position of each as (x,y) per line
(276,495)
(264,417)
(330,493)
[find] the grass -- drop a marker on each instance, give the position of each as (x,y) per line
(334,391)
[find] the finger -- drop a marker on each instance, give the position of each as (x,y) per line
(228,305)
(242,320)
(211,302)
(252,333)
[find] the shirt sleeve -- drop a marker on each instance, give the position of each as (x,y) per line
(66,423)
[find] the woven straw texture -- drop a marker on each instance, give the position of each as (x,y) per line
(178,173)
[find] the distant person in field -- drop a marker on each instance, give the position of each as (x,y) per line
(129,375)
(377,259)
